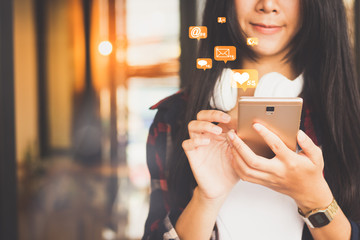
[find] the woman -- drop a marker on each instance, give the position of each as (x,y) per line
(197,165)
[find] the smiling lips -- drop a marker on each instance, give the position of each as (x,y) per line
(266,29)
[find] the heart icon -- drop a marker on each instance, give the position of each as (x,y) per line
(241,78)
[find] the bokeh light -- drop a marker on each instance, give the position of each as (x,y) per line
(105,48)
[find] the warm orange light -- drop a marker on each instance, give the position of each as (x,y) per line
(105,48)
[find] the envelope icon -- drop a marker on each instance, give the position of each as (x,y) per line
(225,53)
(222,52)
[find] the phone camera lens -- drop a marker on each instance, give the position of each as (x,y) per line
(270,109)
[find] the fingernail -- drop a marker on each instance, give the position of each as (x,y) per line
(226,117)
(257,126)
(217,129)
(231,135)
(301,136)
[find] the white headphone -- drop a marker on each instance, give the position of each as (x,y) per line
(224,96)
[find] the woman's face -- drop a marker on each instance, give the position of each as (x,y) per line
(273,22)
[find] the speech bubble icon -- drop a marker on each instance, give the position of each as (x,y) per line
(204,63)
(221,19)
(252,41)
(225,53)
(197,32)
(245,78)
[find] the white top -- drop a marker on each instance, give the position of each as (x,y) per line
(251,211)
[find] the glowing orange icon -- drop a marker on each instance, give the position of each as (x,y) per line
(198,32)
(221,19)
(252,41)
(204,63)
(225,53)
(245,78)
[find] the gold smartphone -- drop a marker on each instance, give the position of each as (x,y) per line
(280,115)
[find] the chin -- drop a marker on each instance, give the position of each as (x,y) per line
(266,51)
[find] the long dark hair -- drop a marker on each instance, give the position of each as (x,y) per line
(321,50)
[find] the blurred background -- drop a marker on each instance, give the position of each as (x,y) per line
(77,78)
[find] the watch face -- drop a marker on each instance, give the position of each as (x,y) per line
(319,219)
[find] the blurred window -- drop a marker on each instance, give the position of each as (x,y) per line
(153,33)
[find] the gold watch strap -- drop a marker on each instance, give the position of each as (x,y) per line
(331,209)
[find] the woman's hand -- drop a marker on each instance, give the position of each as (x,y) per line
(209,155)
(298,175)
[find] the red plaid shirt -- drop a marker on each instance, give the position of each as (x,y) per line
(161,220)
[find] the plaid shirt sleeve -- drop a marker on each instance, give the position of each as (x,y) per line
(161,220)
(158,224)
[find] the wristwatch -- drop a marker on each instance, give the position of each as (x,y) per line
(317,218)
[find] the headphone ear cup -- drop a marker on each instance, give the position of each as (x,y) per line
(224,95)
